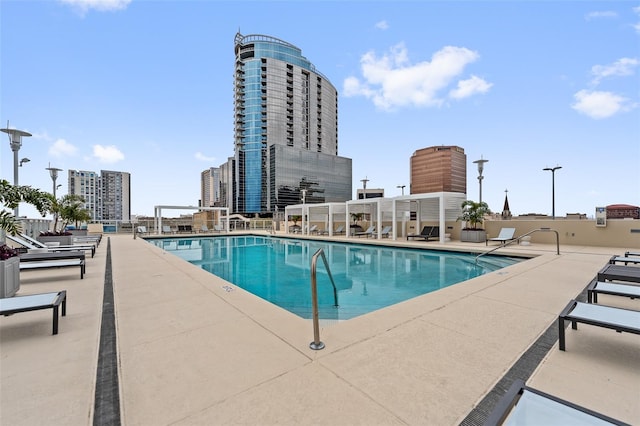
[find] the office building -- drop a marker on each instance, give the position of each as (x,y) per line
(107,196)
(210,187)
(438,169)
(286,131)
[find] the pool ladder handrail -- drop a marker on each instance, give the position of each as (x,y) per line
(317,344)
(517,239)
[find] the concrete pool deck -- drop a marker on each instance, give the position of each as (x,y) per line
(194,350)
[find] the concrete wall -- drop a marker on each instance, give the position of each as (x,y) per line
(617,233)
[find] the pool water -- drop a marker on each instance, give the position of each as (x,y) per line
(367,277)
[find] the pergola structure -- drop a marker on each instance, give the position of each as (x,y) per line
(436,206)
(157,214)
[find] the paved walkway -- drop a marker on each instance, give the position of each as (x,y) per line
(194,350)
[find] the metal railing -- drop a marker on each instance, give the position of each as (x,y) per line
(317,344)
(517,239)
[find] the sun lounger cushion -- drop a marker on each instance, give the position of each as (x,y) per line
(522,405)
(617,319)
(33,302)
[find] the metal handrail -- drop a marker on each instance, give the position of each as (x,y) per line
(317,344)
(517,239)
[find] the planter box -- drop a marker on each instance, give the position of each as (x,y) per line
(78,232)
(9,277)
(473,236)
(64,240)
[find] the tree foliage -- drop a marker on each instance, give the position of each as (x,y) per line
(473,213)
(11,196)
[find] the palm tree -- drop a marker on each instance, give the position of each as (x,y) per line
(473,213)
(71,209)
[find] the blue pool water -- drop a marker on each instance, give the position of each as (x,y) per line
(367,277)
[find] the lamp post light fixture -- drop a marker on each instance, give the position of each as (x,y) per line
(364,187)
(24,160)
(553,189)
(15,141)
(401,187)
(54,175)
(480,164)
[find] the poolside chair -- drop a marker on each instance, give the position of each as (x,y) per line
(34,302)
(35,245)
(367,233)
(339,230)
(313,229)
(613,272)
(385,232)
(141,229)
(218,228)
(524,405)
(166,229)
(625,259)
(204,228)
(426,233)
(617,319)
(596,287)
(505,235)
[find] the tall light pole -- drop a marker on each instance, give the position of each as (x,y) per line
(15,141)
(401,187)
(54,175)
(480,164)
(553,189)
(364,187)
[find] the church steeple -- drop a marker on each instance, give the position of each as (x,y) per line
(506,212)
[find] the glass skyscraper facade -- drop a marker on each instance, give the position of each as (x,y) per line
(286,129)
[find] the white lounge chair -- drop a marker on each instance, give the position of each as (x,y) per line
(367,233)
(617,319)
(505,235)
(31,244)
(34,302)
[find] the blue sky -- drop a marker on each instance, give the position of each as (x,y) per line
(146,87)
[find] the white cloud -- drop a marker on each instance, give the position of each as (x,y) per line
(107,154)
(62,148)
(470,87)
(620,68)
(600,14)
(382,25)
(636,10)
(391,81)
(83,6)
(201,157)
(598,105)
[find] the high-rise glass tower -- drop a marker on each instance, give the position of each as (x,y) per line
(286,129)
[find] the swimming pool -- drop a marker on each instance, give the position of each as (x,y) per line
(367,277)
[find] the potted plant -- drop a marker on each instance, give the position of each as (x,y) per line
(473,214)
(67,209)
(10,197)
(356,217)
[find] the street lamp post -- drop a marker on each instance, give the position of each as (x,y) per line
(15,141)
(54,175)
(553,189)
(401,187)
(480,164)
(364,187)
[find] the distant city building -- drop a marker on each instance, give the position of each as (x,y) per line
(107,196)
(623,211)
(286,131)
(210,187)
(438,169)
(370,193)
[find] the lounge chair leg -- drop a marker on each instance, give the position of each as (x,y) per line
(55,319)
(561,333)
